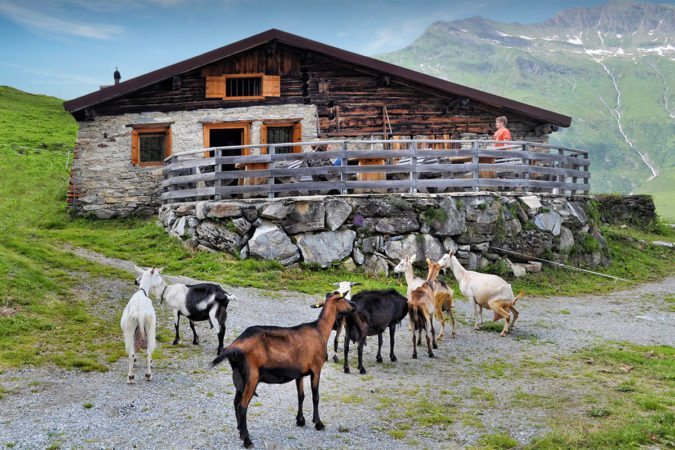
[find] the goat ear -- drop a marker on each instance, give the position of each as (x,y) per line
(355,283)
(336,284)
(138,269)
(428,261)
(413,258)
(160,269)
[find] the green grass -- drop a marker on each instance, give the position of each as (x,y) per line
(499,441)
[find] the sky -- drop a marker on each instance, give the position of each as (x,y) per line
(67,48)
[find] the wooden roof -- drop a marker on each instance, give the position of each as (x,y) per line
(142,81)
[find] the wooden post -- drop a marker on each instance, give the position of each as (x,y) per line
(343,167)
(586,191)
(217,169)
(475,160)
(561,174)
(526,162)
(270,180)
(413,171)
(574,166)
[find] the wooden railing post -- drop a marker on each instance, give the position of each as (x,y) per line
(344,162)
(561,173)
(413,171)
(217,169)
(526,162)
(475,160)
(586,166)
(271,151)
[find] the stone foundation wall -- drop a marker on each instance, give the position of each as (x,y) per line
(634,210)
(376,231)
(105,184)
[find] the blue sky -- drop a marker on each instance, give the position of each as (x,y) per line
(67,48)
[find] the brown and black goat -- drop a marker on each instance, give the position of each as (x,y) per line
(420,311)
(443,297)
(276,355)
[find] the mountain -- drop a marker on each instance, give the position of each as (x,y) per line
(611,68)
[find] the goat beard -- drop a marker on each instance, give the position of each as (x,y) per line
(140,340)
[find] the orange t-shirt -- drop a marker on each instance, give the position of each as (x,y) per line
(502,135)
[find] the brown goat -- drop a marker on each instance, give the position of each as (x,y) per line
(277,355)
(443,297)
(420,310)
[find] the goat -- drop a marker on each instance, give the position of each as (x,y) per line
(420,310)
(277,355)
(375,312)
(406,266)
(485,291)
(345,289)
(199,302)
(443,297)
(139,322)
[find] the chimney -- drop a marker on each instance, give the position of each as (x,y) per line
(117,76)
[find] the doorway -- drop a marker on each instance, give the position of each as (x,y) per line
(225,137)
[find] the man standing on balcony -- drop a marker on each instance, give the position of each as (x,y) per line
(502,133)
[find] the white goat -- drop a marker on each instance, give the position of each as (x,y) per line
(485,291)
(406,266)
(139,321)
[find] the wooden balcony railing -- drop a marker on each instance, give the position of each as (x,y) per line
(359,166)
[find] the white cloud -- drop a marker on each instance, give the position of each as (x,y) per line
(35,20)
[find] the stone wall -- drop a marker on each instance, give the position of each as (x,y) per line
(376,231)
(634,210)
(105,184)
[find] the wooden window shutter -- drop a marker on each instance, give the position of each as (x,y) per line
(297,137)
(215,87)
(167,144)
(271,86)
(135,151)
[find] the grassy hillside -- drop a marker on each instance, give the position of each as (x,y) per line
(43,316)
(570,65)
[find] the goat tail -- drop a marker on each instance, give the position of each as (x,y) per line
(140,337)
(233,355)
(518,297)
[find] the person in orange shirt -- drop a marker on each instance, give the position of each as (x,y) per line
(502,133)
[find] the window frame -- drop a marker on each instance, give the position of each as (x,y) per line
(296,134)
(216,86)
(136,145)
(260,76)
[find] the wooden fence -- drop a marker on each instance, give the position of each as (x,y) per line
(360,166)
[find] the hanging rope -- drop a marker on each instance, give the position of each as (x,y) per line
(561,265)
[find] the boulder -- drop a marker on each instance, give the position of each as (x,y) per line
(349,265)
(481,220)
(276,210)
(532,266)
(304,216)
(398,224)
(327,247)
(169,219)
(372,244)
(218,236)
(483,246)
(244,253)
(512,227)
(663,244)
(576,216)
(566,240)
(549,221)
(376,266)
(250,214)
(421,245)
(180,228)
(449,245)
(241,225)
(382,206)
(455,219)
(201,210)
(337,211)
(531,204)
(530,242)
(186,209)
(222,210)
(271,243)
(357,256)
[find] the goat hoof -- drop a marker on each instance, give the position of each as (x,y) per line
(148,377)
(248,443)
(503,334)
(175,342)
(195,342)
(393,358)
(378,359)
(435,346)
(346,369)
(130,379)
(335,358)
(319,426)
(300,421)
(431,355)
(362,371)
(414,356)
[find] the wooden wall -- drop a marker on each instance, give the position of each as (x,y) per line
(349,99)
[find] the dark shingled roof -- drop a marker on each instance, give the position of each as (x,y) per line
(134,84)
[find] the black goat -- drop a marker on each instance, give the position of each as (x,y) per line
(375,312)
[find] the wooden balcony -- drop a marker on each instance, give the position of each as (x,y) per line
(382,166)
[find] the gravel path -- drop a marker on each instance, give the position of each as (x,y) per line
(189,405)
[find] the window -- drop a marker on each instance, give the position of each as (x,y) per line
(149,146)
(280,133)
(249,86)
(243,87)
